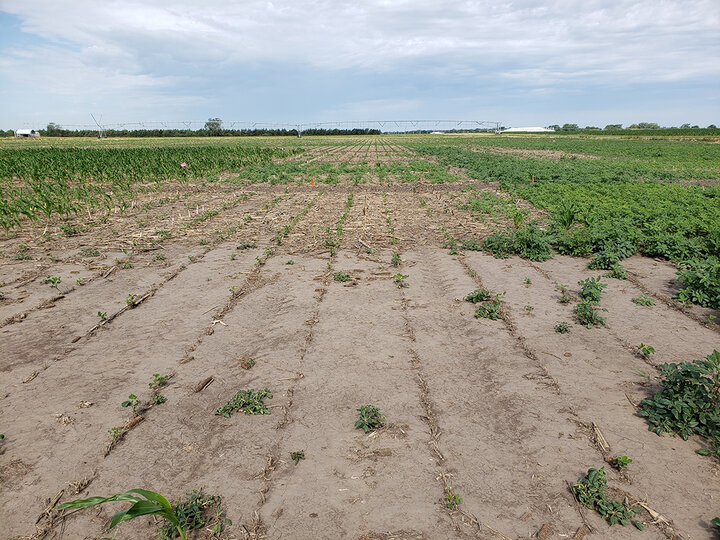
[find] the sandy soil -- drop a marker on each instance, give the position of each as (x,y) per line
(505,414)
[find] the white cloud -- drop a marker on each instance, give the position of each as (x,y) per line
(667,36)
(145,48)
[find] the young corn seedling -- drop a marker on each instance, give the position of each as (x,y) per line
(370,418)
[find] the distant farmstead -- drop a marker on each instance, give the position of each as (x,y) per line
(532,129)
(27,133)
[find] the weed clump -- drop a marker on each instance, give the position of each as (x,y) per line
(478,295)
(247,401)
(701,279)
(197,511)
(529,242)
(490,309)
(689,402)
(563,327)
(341,277)
(643,300)
(588,314)
(370,418)
(591,290)
(590,492)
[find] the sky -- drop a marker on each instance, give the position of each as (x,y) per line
(521,63)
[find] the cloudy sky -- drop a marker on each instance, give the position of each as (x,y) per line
(519,62)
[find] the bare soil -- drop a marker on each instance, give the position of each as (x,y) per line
(505,414)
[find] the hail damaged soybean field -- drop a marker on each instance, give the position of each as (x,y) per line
(457,336)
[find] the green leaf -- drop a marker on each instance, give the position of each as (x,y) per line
(703,451)
(638,525)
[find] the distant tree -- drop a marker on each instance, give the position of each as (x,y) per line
(592,128)
(685,126)
(213,126)
(554,127)
(53,128)
(645,125)
(570,127)
(712,126)
(613,127)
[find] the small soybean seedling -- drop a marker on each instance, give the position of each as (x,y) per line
(528,281)
(53,281)
(620,462)
(395,261)
(565,297)
(370,418)
(130,300)
(157,400)
(158,380)
(290,262)
(342,277)
(297,456)
(132,401)
(643,300)
(102,315)
(529,308)
(115,432)
(563,327)
(400,280)
(452,500)
(646,350)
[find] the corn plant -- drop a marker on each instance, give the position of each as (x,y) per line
(185,516)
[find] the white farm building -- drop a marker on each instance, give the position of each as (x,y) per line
(531,129)
(25,132)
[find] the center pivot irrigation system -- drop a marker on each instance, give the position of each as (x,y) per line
(385,126)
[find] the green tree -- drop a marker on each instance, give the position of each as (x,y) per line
(53,129)
(613,127)
(570,127)
(645,125)
(213,126)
